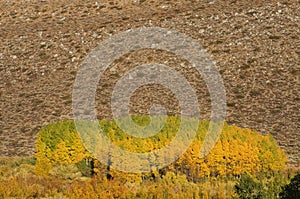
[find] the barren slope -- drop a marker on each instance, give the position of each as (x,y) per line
(255,45)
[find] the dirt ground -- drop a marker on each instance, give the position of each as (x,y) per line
(255,44)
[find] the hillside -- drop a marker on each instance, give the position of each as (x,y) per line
(255,45)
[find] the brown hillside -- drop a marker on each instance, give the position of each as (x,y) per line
(255,45)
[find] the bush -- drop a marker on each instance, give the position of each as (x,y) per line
(291,190)
(67,172)
(86,167)
(263,186)
(248,188)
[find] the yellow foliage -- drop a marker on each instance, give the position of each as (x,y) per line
(237,151)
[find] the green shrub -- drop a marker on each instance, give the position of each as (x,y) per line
(262,186)
(291,190)
(86,167)
(248,188)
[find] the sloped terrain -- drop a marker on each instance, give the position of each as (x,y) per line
(255,45)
